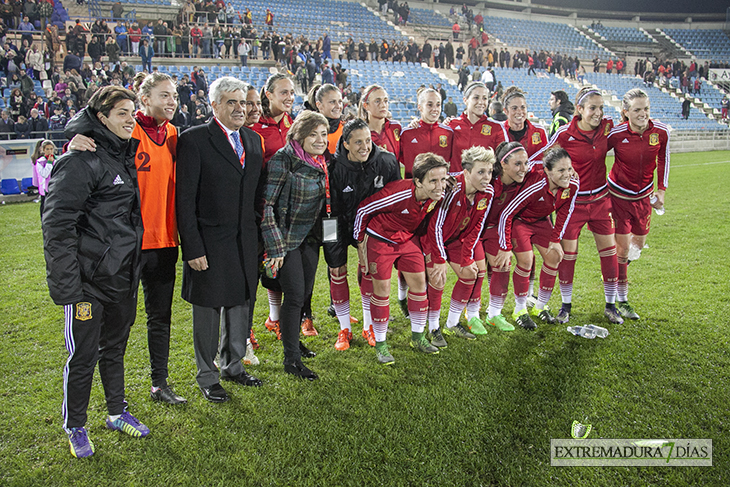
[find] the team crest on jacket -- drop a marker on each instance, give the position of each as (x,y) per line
(486,129)
(482,205)
(287,124)
(654,139)
(536,138)
(443,141)
(431,206)
(83,311)
(565,195)
(606,129)
(396,134)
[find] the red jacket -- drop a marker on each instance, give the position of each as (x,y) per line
(457,218)
(587,153)
(637,156)
(435,137)
(389,138)
(484,133)
(392,214)
(536,202)
(274,134)
(535,137)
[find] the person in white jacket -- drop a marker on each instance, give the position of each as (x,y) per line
(243,49)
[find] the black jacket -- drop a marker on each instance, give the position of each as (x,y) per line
(92,224)
(351,182)
(561,116)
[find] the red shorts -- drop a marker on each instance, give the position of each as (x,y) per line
(597,214)
(631,216)
(383,255)
(454,252)
(525,235)
(490,241)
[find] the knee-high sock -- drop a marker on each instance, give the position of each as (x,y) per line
(475,300)
(434,306)
(547,283)
(609,269)
(521,284)
(459,300)
(340,292)
(498,287)
(417,309)
(366,292)
(566,271)
(274,304)
(380,309)
(623,280)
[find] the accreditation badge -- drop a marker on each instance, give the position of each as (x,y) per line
(329,230)
(486,129)
(83,311)
(654,139)
(536,138)
(443,141)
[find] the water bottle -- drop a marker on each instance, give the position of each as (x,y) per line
(652,200)
(583,331)
(599,330)
(634,252)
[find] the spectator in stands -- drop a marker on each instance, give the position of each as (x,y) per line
(26,29)
(34,61)
(18,106)
(117,10)
(686,105)
(196,35)
(450,108)
(160,33)
(243,49)
(37,123)
(6,123)
(146,53)
(426,52)
(328,76)
(121,32)
(6,12)
(58,120)
(22,128)
(112,50)
(725,104)
(207,39)
(596,64)
(326,47)
(609,66)
(562,110)
(26,83)
(135,37)
(182,119)
(269,19)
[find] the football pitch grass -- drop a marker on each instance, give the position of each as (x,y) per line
(479,413)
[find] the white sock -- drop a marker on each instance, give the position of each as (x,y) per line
(520,303)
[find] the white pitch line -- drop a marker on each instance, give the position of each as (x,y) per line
(675,166)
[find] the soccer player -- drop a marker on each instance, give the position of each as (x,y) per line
(473,127)
(384,228)
(327,100)
(518,127)
(428,135)
(586,140)
(374,109)
(453,238)
(525,222)
(512,158)
(641,146)
(358,170)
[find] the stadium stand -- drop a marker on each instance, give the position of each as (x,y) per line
(703,44)
(710,94)
(548,36)
(428,17)
(621,34)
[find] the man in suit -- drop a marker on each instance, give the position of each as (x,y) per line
(219,182)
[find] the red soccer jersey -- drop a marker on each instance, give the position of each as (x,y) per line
(457,218)
(587,152)
(502,196)
(535,137)
(392,214)
(484,133)
(436,137)
(637,156)
(389,138)
(274,134)
(535,202)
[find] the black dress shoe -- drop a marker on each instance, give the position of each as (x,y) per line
(300,370)
(215,393)
(305,352)
(244,379)
(167,395)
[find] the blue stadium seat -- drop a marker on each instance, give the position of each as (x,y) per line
(25,184)
(9,186)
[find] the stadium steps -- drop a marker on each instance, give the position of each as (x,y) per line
(670,48)
(697,103)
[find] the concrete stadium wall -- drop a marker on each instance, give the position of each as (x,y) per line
(699,141)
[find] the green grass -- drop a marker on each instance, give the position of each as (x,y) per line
(479,413)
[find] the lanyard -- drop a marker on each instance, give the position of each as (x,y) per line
(323,165)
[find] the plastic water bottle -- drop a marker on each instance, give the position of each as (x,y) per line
(634,252)
(583,331)
(652,200)
(599,330)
